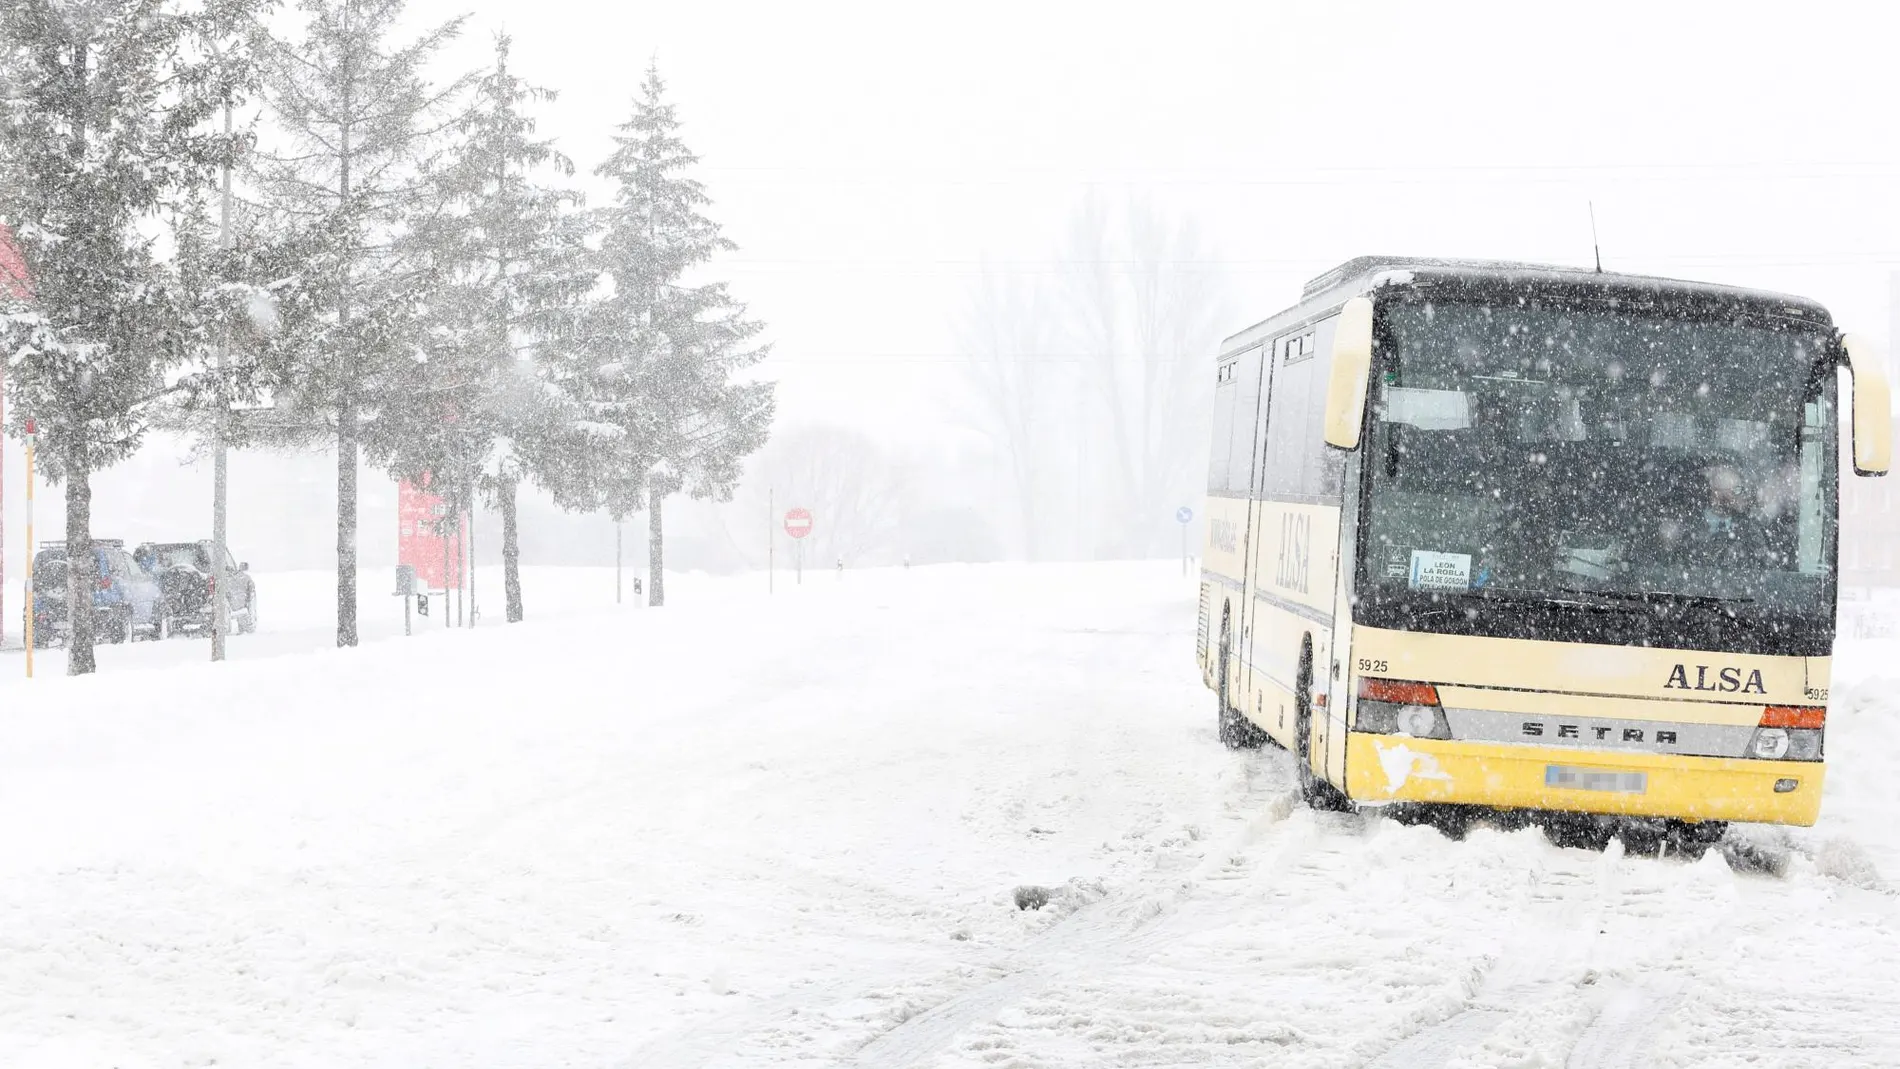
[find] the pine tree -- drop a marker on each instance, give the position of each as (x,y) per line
(515,259)
(104,137)
(658,376)
(362,126)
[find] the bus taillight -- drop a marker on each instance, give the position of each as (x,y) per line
(1794,716)
(1397,691)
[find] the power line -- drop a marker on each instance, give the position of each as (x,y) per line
(1302,268)
(1697,166)
(924,176)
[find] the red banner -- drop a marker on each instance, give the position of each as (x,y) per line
(12,266)
(426,539)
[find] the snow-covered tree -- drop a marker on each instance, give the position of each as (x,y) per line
(104,137)
(513,253)
(659,379)
(357,127)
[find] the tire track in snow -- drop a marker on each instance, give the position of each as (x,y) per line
(1320,845)
(1624,1027)
(1130,918)
(1097,931)
(1519,974)
(1572,1005)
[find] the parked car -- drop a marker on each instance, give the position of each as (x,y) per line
(184,574)
(125,598)
(50,620)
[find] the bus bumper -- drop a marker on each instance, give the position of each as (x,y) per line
(1395,768)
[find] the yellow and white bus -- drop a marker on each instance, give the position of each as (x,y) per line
(1531,538)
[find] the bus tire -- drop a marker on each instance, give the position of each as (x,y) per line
(1315,791)
(1236,731)
(1690,840)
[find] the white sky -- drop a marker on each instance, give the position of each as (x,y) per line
(868,156)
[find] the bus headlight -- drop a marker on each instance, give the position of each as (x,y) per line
(1417,721)
(1789,733)
(1386,718)
(1398,707)
(1786,744)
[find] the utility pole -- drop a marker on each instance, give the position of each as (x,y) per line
(474,608)
(461,568)
(32,440)
(771,543)
(221,596)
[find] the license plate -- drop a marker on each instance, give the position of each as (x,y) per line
(1595,779)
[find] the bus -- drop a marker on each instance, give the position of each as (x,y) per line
(1516,538)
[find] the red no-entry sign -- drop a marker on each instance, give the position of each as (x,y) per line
(798,523)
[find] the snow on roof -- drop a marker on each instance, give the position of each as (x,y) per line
(1396,270)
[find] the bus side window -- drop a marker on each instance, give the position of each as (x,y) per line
(1280,475)
(1250,377)
(1299,465)
(1217,461)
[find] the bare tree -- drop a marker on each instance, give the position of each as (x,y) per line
(1143,312)
(1098,380)
(1007,338)
(858,494)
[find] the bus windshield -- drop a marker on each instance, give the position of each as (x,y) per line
(1571,452)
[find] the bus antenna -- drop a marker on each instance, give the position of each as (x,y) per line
(1595,246)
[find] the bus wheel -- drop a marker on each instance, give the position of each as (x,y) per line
(1315,791)
(1236,731)
(1583,831)
(1691,840)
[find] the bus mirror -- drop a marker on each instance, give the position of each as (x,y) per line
(1352,366)
(1873,408)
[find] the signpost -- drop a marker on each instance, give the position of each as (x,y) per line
(798,525)
(406,590)
(1184,516)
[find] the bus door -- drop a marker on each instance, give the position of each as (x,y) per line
(1256,389)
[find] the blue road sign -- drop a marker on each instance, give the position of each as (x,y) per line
(1183,514)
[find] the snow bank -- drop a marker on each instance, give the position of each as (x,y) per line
(752,831)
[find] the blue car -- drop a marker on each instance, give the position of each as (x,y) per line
(125,597)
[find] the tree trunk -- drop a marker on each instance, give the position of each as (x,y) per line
(656,551)
(346,403)
(82,571)
(510,548)
(346,523)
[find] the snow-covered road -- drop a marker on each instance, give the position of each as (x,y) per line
(752,832)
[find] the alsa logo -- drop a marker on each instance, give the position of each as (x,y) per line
(1296,541)
(1224,535)
(1726,681)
